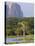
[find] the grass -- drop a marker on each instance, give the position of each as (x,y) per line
(11,43)
(11,36)
(27,38)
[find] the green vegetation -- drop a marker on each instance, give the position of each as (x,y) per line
(11,36)
(15,26)
(20,27)
(11,43)
(27,37)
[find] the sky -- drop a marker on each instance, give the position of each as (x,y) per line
(27,9)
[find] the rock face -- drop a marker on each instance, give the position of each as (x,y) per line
(13,10)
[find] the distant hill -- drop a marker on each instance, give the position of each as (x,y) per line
(14,10)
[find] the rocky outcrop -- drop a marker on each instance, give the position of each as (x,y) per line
(14,10)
